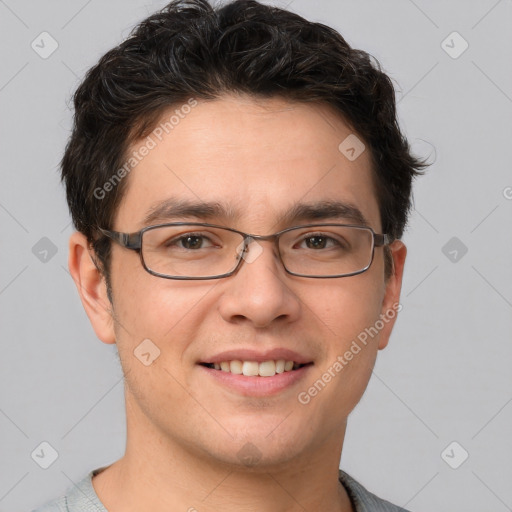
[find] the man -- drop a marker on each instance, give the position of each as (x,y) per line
(242,355)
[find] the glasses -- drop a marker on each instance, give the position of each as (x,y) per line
(195,250)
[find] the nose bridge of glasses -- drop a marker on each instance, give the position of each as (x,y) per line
(250,248)
(261,238)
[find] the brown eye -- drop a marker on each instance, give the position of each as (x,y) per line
(320,241)
(316,242)
(192,242)
(189,241)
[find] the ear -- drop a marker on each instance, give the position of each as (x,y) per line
(91,287)
(391,302)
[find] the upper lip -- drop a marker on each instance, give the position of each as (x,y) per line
(258,356)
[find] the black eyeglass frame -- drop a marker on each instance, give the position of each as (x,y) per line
(133,241)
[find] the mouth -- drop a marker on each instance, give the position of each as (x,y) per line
(249,368)
(256,373)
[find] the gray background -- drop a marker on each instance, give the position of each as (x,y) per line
(445,375)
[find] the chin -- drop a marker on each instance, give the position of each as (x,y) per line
(258,448)
(255,458)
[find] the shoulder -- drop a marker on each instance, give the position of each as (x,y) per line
(56,505)
(80,497)
(362,499)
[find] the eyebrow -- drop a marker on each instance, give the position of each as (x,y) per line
(325,210)
(182,209)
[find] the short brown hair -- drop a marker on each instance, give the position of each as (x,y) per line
(190,49)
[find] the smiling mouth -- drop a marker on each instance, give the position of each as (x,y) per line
(255,369)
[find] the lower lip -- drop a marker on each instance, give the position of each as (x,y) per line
(257,386)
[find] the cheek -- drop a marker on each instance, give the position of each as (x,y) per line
(157,320)
(344,312)
(346,306)
(172,315)
(348,312)
(149,305)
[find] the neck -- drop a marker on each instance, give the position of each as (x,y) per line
(161,474)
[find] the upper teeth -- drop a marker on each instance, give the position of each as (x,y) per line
(253,368)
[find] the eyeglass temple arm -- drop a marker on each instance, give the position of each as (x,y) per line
(381,240)
(131,241)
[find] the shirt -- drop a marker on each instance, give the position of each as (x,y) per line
(83,498)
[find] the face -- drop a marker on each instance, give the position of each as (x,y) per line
(257,160)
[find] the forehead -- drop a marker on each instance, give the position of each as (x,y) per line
(258,159)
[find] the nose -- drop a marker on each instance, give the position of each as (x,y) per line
(260,292)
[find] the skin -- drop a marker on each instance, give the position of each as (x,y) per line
(184,431)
